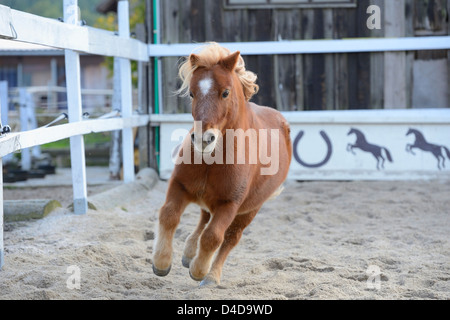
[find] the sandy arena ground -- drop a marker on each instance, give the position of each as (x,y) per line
(317,240)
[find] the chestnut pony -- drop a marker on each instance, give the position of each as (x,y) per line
(229,193)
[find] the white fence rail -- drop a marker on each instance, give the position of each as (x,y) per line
(311,46)
(22,26)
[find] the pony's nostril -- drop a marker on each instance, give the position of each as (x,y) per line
(210,139)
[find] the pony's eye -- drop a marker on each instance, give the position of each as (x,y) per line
(191,95)
(225,93)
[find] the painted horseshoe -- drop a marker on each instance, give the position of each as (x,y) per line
(316,165)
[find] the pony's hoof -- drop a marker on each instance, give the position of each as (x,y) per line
(194,278)
(161,273)
(185,261)
(208,282)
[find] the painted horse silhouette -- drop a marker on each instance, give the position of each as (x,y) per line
(422,144)
(361,143)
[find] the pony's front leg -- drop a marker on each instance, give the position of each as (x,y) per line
(169,218)
(190,247)
(211,239)
(232,237)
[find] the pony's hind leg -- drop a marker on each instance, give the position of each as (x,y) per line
(169,218)
(190,247)
(232,238)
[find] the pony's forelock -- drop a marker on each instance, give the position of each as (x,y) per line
(209,56)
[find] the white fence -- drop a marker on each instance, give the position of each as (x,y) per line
(323,147)
(29,108)
(74,39)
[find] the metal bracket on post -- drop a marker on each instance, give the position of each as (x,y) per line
(4,129)
(73,76)
(59,118)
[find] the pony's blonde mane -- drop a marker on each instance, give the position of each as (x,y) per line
(209,56)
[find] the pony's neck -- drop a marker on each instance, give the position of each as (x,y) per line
(241,117)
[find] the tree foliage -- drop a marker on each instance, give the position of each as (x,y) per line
(109,22)
(53,9)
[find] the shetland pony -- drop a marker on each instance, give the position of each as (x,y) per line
(229,192)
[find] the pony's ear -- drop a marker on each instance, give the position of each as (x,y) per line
(230,62)
(193,58)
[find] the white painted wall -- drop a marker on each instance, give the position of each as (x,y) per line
(386,128)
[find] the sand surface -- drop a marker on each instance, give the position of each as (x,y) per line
(317,240)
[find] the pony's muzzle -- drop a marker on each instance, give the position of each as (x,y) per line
(208,138)
(206,142)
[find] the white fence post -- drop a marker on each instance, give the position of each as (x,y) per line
(28,121)
(1,184)
(115,160)
(4,110)
(4,102)
(126,95)
(24,126)
(74,104)
(30,109)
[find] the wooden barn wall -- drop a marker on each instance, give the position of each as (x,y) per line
(309,82)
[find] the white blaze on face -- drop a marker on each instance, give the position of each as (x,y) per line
(205,85)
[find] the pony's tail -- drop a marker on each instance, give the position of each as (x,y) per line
(446,151)
(388,154)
